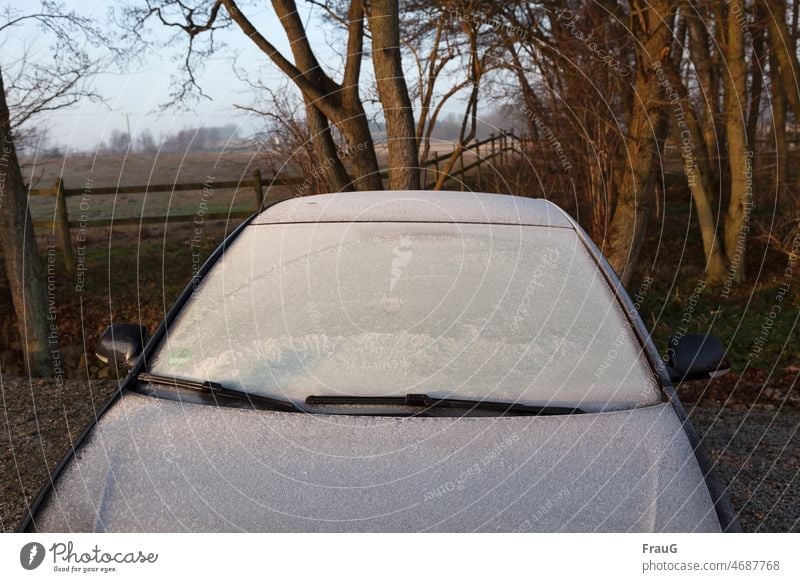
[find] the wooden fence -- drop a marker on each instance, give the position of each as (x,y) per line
(500,145)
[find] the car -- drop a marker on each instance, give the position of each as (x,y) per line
(401,361)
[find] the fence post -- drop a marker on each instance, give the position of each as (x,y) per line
(461,163)
(436,163)
(63,222)
(479,161)
(258,188)
(491,137)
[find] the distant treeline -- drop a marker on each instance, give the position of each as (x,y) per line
(190,139)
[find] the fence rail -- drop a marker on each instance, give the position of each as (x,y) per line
(496,145)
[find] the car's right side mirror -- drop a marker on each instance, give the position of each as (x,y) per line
(695,357)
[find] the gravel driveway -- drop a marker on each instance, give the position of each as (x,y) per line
(757,451)
(758,457)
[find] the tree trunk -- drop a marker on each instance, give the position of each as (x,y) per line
(779,136)
(23,266)
(355,128)
(757,76)
(706,78)
(740,160)
(783,49)
(629,223)
(338,103)
(384,22)
(325,154)
(699,177)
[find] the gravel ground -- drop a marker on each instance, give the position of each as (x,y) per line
(758,457)
(757,450)
(40,422)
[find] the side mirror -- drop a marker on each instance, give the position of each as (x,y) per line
(695,357)
(121,344)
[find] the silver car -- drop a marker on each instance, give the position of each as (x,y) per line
(394,362)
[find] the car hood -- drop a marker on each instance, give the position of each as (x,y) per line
(162,465)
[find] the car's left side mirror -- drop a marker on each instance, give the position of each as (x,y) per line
(695,357)
(121,344)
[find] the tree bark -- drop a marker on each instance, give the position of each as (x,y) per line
(779,135)
(701,59)
(384,22)
(700,181)
(629,223)
(783,49)
(325,152)
(757,77)
(22,262)
(739,158)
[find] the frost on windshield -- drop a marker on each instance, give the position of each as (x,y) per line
(457,310)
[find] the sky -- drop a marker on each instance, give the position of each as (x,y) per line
(135,95)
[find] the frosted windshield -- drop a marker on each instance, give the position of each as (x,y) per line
(496,312)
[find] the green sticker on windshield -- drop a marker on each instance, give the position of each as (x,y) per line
(180,356)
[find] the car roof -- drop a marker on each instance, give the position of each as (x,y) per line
(417,206)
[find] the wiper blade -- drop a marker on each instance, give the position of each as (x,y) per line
(423,400)
(217,389)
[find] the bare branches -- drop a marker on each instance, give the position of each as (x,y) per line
(355,46)
(35,86)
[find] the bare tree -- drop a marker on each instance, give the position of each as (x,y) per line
(327,101)
(119,142)
(146,143)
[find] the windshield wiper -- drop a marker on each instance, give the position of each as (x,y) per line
(423,400)
(217,389)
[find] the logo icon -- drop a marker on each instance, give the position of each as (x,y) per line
(31,555)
